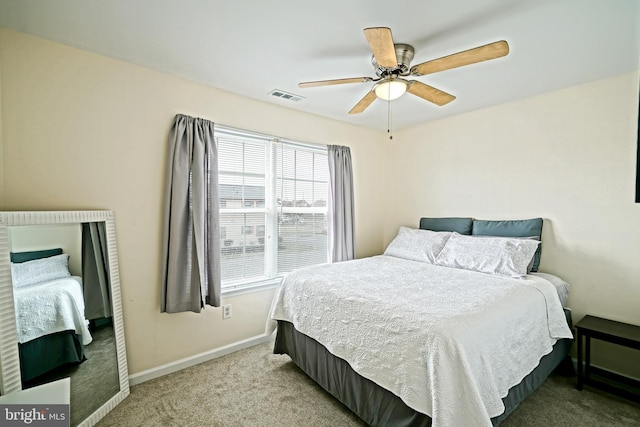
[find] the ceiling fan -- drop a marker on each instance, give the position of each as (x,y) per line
(392,63)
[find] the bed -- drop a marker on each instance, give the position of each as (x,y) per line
(51,326)
(453,325)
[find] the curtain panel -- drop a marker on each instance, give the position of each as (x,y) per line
(341,218)
(191,230)
(95,271)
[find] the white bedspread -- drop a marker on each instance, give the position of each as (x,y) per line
(51,307)
(449,342)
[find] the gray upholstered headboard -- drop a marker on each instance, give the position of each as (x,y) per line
(531,228)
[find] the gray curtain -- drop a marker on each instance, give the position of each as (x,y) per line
(95,271)
(341,214)
(191,233)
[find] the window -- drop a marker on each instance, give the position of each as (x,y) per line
(302,178)
(273,205)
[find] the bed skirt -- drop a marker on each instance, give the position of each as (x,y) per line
(378,406)
(44,354)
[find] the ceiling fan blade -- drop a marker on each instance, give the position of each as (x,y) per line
(467,57)
(429,93)
(363,103)
(381,44)
(335,82)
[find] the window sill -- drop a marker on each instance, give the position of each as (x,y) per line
(246,288)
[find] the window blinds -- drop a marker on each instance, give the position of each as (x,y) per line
(273,205)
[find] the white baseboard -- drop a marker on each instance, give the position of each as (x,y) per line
(178,365)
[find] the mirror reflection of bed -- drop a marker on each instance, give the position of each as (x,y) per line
(64,312)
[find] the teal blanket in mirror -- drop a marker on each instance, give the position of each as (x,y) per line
(49,353)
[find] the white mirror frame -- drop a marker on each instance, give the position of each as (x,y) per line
(10,380)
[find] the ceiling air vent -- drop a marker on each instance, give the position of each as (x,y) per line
(285,95)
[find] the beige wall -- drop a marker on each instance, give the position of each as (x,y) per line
(567,156)
(83,131)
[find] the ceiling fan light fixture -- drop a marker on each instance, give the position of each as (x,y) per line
(390,89)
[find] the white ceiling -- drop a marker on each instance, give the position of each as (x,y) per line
(252,47)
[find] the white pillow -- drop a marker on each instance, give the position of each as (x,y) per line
(503,256)
(40,270)
(417,245)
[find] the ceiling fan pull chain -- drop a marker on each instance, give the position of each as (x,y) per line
(389,119)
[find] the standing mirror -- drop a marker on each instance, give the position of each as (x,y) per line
(60,308)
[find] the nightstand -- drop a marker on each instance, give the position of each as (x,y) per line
(614,332)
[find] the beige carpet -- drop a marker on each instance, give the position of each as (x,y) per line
(96,380)
(255,388)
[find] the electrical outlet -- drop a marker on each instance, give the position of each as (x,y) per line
(226,311)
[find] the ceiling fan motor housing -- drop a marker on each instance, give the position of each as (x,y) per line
(404,56)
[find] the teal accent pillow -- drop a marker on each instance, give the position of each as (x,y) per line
(18,257)
(512,228)
(459,225)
